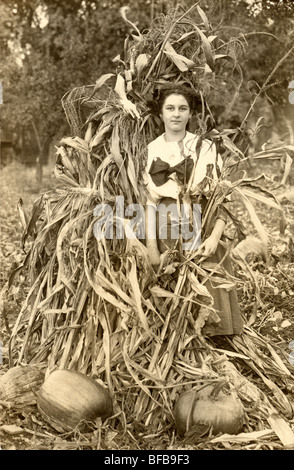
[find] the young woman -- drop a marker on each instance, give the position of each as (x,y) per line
(175,167)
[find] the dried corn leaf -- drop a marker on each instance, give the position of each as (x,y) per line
(197,286)
(116,154)
(202,317)
(282,401)
(22,214)
(282,430)
(243,436)
(179,60)
(288,164)
(206,47)
(98,137)
(255,219)
(160,292)
(259,197)
(137,295)
(141,62)
(203,17)
(113,286)
(102,80)
(75,142)
(36,214)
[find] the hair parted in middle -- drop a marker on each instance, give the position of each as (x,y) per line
(161,93)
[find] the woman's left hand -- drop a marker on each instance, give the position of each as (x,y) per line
(208,247)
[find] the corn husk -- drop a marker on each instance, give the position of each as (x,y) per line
(95,305)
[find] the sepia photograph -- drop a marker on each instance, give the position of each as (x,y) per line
(147,228)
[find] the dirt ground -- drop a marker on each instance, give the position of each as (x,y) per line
(24,429)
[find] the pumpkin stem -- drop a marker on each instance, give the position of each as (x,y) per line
(217,389)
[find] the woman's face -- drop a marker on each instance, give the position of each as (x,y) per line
(175,113)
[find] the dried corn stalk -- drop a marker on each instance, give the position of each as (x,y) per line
(96,305)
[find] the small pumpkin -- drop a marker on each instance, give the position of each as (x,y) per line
(68,397)
(212,405)
(20,383)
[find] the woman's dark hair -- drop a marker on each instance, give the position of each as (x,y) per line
(160,95)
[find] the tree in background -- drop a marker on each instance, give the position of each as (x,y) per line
(51,47)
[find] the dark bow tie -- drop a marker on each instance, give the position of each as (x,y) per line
(160,170)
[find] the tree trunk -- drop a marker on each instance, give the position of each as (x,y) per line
(39,158)
(39,170)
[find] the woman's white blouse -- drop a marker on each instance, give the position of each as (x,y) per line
(172,153)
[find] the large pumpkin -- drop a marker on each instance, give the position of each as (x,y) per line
(68,397)
(212,405)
